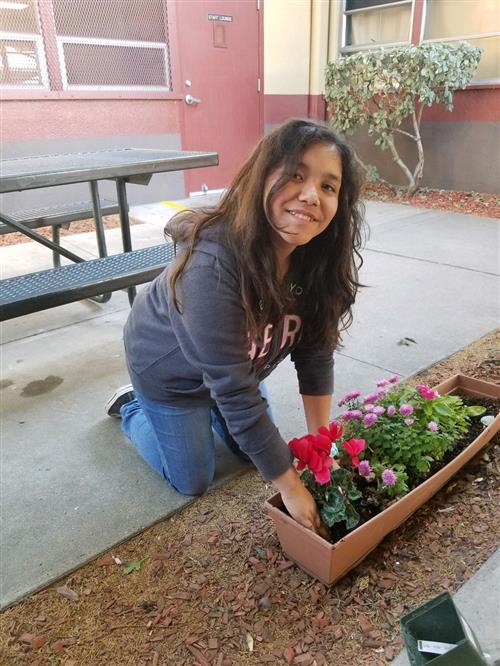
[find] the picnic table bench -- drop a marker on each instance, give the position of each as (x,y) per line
(57,286)
(95,278)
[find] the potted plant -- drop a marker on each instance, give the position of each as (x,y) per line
(389,452)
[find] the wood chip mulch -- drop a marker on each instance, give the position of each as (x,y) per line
(80,227)
(470,203)
(211,587)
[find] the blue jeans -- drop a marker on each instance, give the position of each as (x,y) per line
(178,442)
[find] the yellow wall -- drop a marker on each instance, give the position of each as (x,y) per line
(320,12)
(299,36)
(287,32)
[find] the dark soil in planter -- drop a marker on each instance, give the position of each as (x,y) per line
(372,503)
(475,429)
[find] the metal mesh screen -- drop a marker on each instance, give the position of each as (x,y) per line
(100,44)
(136,20)
(22,59)
(20,16)
(107,65)
(113,44)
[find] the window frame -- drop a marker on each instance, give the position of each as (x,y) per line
(347,49)
(53,67)
(161,46)
(42,62)
(489,82)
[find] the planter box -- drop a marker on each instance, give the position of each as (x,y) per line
(329,562)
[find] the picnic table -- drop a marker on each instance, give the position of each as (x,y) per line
(97,277)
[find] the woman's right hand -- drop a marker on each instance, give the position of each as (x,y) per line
(299,502)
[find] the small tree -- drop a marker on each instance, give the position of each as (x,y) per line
(384,87)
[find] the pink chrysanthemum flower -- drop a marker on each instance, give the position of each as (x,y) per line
(409,422)
(389,478)
(352,414)
(352,395)
(370,419)
(393,379)
(364,468)
(433,426)
(406,409)
(382,382)
(379,410)
(373,397)
(391,410)
(369,407)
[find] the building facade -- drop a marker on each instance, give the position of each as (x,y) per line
(215,74)
(462,148)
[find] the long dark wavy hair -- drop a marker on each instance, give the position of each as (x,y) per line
(326,268)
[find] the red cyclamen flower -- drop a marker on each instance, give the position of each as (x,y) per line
(354,448)
(313,451)
(334,431)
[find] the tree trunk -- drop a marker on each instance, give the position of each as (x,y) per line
(364,168)
(402,165)
(419,169)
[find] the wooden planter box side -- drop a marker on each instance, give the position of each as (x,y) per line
(332,561)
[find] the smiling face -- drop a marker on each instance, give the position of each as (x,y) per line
(307,203)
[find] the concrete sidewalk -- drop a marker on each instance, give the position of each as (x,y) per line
(72,486)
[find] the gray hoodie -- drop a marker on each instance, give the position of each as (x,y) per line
(202,355)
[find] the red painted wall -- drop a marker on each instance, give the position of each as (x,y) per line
(24,120)
(474,105)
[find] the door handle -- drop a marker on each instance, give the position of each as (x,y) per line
(189,99)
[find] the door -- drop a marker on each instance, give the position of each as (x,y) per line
(219,49)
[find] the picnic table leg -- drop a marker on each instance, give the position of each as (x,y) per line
(99,232)
(56,238)
(99,226)
(125,225)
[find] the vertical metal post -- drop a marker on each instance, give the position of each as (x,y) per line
(56,238)
(99,226)
(121,193)
(99,232)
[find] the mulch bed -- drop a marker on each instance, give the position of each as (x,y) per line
(471,203)
(80,227)
(211,586)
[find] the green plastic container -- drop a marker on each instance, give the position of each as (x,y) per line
(439,621)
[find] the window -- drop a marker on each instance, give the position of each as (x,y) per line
(457,18)
(371,23)
(97,44)
(468,20)
(22,57)
(117,44)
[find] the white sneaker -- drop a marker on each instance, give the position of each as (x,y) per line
(119,398)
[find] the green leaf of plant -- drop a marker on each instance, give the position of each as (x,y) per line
(132,566)
(333,511)
(475,410)
(443,410)
(352,516)
(353,493)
